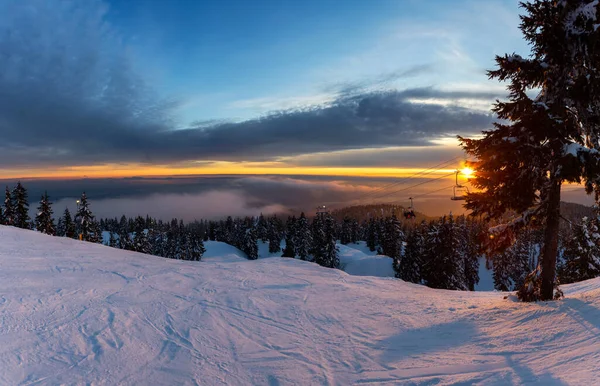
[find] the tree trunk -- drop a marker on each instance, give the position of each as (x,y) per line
(550,251)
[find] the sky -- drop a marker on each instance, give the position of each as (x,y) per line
(108,89)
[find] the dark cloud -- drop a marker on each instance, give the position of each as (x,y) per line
(70,96)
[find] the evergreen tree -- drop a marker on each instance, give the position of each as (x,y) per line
(303,239)
(346,232)
(274,234)
(44,222)
(582,254)
(326,251)
(140,238)
(290,238)
(392,244)
(371,235)
(542,142)
(408,268)
(60,227)
(84,220)
(262,229)
(355,231)
(250,243)
(20,205)
(70,226)
(9,213)
(112,240)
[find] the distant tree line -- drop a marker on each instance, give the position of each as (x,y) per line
(441,253)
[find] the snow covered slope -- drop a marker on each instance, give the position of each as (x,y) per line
(79,313)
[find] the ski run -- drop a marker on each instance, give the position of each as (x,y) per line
(81,313)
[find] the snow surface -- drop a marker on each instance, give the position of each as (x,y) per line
(79,313)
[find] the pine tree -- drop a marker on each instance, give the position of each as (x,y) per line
(140,239)
(20,205)
(112,240)
(262,229)
(371,235)
(84,220)
(582,254)
(303,239)
(548,140)
(326,250)
(392,244)
(346,232)
(60,228)
(250,243)
(408,267)
(274,234)
(290,238)
(44,222)
(8,208)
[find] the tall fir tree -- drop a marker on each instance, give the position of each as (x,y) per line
(69,225)
(290,238)
(9,213)
(303,238)
(540,143)
(84,220)
(371,235)
(408,267)
(326,252)
(346,232)
(582,253)
(43,221)
(20,205)
(274,234)
(394,237)
(140,238)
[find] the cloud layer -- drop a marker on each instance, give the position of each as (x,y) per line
(71,96)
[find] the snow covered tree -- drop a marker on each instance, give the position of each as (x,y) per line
(140,239)
(290,238)
(303,239)
(250,243)
(262,229)
(371,235)
(69,225)
(346,232)
(326,250)
(392,243)
(112,240)
(8,208)
(20,206)
(274,234)
(84,220)
(355,231)
(43,221)
(582,254)
(408,267)
(541,142)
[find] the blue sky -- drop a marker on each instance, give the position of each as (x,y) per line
(273,87)
(238,59)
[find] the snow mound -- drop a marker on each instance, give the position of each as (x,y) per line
(355,262)
(78,313)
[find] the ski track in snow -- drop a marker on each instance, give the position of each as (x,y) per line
(78,313)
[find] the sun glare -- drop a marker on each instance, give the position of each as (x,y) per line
(468,172)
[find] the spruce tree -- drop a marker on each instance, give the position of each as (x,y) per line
(325,248)
(290,238)
(346,232)
(140,239)
(274,234)
(303,239)
(84,220)
(112,240)
(371,235)
(582,253)
(43,221)
(392,243)
(70,227)
(541,142)
(9,213)
(262,228)
(20,205)
(250,243)
(408,267)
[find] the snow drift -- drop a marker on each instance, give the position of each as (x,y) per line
(76,313)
